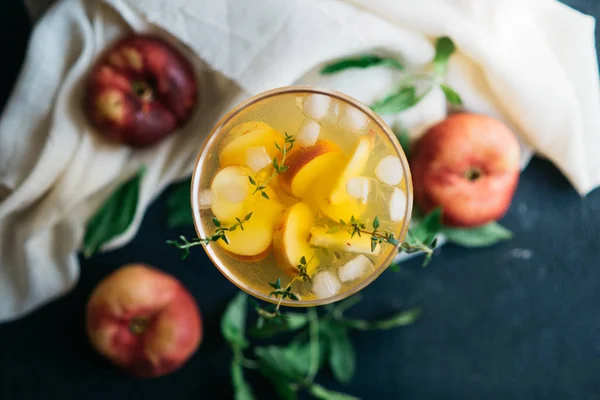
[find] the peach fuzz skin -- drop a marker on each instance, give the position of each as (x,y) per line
(469,166)
(164,314)
(140,91)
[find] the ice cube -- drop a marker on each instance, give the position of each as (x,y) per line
(205,199)
(355,268)
(257,158)
(358,188)
(353,119)
(316,106)
(326,284)
(234,190)
(308,133)
(389,170)
(397,205)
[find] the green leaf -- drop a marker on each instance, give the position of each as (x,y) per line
(444,48)
(291,363)
(284,390)
(233,321)
(291,323)
(179,209)
(482,236)
(361,62)
(401,319)
(325,394)
(398,101)
(452,97)
(427,229)
(265,195)
(114,216)
(342,358)
(241,389)
(376,222)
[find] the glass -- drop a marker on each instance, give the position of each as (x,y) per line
(285,109)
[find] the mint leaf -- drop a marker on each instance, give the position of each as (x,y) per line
(233,322)
(325,394)
(179,209)
(241,389)
(342,358)
(291,362)
(482,236)
(292,322)
(401,134)
(444,48)
(114,216)
(405,98)
(401,319)
(426,230)
(452,97)
(361,62)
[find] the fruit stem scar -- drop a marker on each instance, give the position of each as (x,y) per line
(473,173)
(138,325)
(142,90)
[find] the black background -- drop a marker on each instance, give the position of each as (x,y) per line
(519,320)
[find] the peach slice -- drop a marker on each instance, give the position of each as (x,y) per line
(229,189)
(321,199)
(290,240)
(251,244)
(356,164)
(306,165)
(248,135)
(342,241)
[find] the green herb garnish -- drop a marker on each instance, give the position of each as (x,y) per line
(220,233)
(278,167)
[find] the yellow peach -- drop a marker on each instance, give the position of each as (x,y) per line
(355,166)
(249,135)
(342,241)
(307,164)
(290,240)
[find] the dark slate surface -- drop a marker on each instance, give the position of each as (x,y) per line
(518,321)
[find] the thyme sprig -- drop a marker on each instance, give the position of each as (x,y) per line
(220,233)
(356,227)
(282,293)
(278,167)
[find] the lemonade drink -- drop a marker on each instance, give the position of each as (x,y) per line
(308,187)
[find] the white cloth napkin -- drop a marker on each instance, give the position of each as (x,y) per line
(531,63)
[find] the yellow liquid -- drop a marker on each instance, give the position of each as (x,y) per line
(285,113)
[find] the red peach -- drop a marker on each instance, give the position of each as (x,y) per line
(469,166)
(140,91)
(144,321)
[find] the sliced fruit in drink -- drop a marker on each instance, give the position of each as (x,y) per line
(342,241)
(355,166)
(229,188)
(290,240)
(251,244)
(306,165)
(248,135)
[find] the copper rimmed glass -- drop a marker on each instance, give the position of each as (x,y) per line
(201,181)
